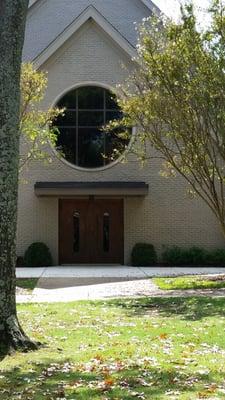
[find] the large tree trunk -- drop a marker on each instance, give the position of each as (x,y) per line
(12,26)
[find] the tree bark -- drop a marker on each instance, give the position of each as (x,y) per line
(12,27)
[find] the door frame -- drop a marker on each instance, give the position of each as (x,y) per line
(60,199)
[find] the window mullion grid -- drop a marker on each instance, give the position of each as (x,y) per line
(90,116)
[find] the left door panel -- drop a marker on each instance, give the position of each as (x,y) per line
(73,232)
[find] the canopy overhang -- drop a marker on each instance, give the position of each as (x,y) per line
(59,189)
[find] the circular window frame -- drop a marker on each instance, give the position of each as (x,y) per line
(74,166)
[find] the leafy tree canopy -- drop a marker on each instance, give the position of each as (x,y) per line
(36,124)
(176,98)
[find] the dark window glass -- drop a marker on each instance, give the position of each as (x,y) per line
(68,119)
(66,144)
(114,143)
(90,98)
(81,139)
(106,239)
(111,115)
(69,100)
(76,226)
(111,102)
(91,118)
(91,147)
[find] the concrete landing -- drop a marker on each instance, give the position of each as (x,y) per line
(65,284)
(117,271)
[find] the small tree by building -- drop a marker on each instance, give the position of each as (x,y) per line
(176,98)
(36,124)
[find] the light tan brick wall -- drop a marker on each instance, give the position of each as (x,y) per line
(165,217)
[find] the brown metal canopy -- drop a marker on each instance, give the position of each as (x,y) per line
(57,189)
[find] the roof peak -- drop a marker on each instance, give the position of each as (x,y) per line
(148,3)
(88,13)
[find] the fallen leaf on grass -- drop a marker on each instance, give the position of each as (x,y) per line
(138,395)
(109,381)
(163,336)
(142,382)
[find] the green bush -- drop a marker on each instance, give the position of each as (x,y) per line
(38,255)
(217,257)
(195,256)
(143,254)
(174,255)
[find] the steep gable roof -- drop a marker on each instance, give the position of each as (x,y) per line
(31,2)
(147,3)
(89,13)
(153,7)
(48,19)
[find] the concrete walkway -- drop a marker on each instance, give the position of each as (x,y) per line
(134,288)
(127,289)
(116,271)
(65,284)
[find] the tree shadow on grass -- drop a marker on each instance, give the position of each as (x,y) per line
(192,308)
(4,350)
(50,380)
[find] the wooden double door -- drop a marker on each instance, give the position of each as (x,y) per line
(91,231)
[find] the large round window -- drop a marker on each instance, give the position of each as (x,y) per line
(81,139)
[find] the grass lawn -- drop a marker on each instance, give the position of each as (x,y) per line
(120,350)
(26,283)
(190,282)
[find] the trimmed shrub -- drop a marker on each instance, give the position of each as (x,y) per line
(195,256)
(38,255)
(174,255)
(143,254)
(217,257)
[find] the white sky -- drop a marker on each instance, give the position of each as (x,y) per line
(172,7)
